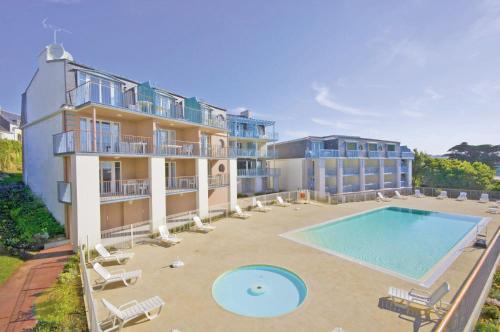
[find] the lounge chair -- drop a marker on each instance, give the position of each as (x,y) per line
(108,277)
(114,256)
(494,209)
(442,195)
(381,197)
(119,316)
(399,196)
(430,301)
(240,214)
(262,208)
(462,196)
(485,198)
(281,202)
(199,226)
(166,237)
(418,194)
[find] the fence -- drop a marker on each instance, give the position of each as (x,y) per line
(464,309)
(125,237)
(92,322)
(454,193)
(360,196)
(249,202)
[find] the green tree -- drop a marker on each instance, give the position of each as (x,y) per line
(484,153)
(10,155)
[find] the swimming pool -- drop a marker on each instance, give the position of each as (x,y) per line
(416,245)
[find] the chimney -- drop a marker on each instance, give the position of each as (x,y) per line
(246,114)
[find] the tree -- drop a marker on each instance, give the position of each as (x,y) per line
(484,153)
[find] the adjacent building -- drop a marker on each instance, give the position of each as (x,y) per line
(104,151)
(10,124)
(249,140)
(339,164)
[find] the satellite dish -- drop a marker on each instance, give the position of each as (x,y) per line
(55,51)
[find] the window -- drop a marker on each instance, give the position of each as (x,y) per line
(222,168)
(352,146)
(391,147)
(98,90)
(372,146)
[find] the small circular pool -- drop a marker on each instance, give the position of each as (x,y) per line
(259,291)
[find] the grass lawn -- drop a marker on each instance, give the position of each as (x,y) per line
(8,265)
(61,308)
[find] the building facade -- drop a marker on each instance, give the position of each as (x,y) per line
(10,126)
(249,140)
(339,164)
(103,151)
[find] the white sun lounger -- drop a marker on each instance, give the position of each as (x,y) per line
(442,195)
(115,256)
(485,198)
(493,210)
(399,196)
(199,226)
(462,196)
(166,237)
(119,316)
(430,301)
(108,277)
(381,197)
(281,202)
(240,214)
(418,194)
(262,208)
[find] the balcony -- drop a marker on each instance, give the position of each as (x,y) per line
(180,184)
(389,170)
(64,192)
(375,154)
(351,171)
(255,172)
(371,171)
(251,153)
(178,149)
(217,181)
(331,172)
(351,188)
(407,155)
(216,152)
(254,134)
(105,94)
(353,153)
(404,169)
(392,154)
(322,153)
(371,186)
(77,141)
(121,190)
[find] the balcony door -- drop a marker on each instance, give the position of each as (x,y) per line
(170,173)
(110,176)
(107,135)
(100,90)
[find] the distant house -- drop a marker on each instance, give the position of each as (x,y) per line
(10,126)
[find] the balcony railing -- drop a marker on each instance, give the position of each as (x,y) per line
(178,148)
(109,95)
(85,141)
(181,183)
(220,180)
(322,153)
(122,189)
(251,153)
(64,192)
(215,151)
(251,172)
(351,187)
(254,134)
(404,169)
(392,154)
(371,170)
(331,172)
(407,155)
(389,170)
(375,154)
(353,153)
(351,171)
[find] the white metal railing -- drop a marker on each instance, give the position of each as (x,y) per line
(389,169)
(266,199)
(125,237)
(371,170)
(375,154)
(124,188)
(323,153)
(258,172)
(366,195)
(92,321)
(348,171)
(181,183)
(105,142)
(254,134)
(215,151)
(392,154)
(330,172)
(253,153)
(407,155)
(353,153)
(404,169)
(220,180)
(178,148)
(454,193)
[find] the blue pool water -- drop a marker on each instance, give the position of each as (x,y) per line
(407,242)
(259,291)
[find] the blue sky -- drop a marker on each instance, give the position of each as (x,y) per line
(426,73)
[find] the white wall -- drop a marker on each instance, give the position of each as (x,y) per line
(291,173)
(157,201)
(202,193)
(233,183)
(42,169)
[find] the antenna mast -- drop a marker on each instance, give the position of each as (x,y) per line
(55,29)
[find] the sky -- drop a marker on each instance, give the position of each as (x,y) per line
(423,72)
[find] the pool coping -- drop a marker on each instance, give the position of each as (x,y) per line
(431,276)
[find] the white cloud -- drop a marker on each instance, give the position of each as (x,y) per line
(432,93)
(390,51)
(324,98)
(412,114)
(486,91)
(328,123)
(488,22)
(292,134)
(412,106)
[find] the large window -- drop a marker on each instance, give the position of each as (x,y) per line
(107,135)
(352,146)
(98,90)
(391,147)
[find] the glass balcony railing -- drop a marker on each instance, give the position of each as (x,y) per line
(353,153)
(253,172)
(331,172)
(254,134)
(404,169)
(392,154)
(110,95)
(407,155)
(371,170)
(349,171)
(220,180)
(123,189)
(389,170)
(322,153)
(251,153)
(375,154)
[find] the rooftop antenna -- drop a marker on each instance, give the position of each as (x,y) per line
(55,29)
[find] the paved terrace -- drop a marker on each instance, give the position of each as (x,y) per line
(340,293)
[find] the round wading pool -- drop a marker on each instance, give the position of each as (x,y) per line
(259,291)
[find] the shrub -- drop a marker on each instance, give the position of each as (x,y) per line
(10,155)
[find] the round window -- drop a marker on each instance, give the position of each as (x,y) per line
(222,168)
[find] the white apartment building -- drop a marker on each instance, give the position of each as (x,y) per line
(340,164)
(103,151)
(10,124)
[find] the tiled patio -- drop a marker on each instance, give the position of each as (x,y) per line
(340,293)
